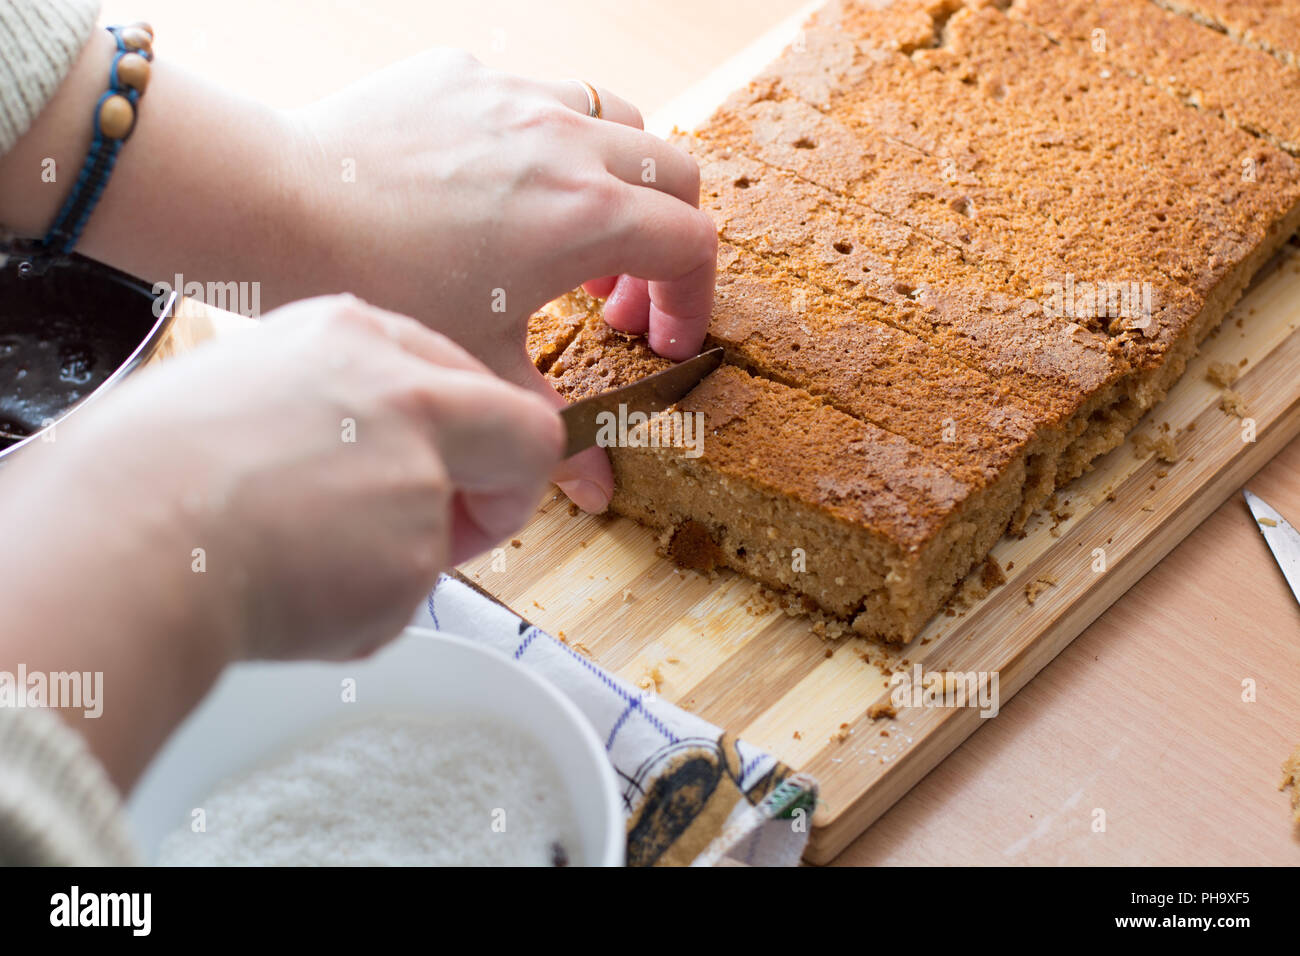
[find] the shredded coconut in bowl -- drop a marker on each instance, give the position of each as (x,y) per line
(388,792)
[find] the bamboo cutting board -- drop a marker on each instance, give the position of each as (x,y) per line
(716,646)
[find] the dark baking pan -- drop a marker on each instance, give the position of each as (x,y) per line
(67,334)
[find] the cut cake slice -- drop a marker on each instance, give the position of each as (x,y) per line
(868,526)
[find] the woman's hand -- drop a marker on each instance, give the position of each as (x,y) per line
(295,496)
(471,197)
(436,188)
(468,198)
(333,467)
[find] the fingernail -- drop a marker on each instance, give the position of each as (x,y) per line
(586,495)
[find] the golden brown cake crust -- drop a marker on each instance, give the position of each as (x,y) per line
(901,278)
(1047,183)
(1249,88)
(1237,181)
(1269,25)
(599,359)
(553,327)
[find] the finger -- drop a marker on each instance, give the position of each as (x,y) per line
(480,521)
(492,436)
(600,288)
(651,235)
(643,160)
(675,247)
(628,306)
(612,107)
(417,339)
(467,537)
(371,637)
(375,644)
(586,478)
(411,336)
(679,313)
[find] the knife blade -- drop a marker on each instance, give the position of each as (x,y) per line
(584,419)
(1283,540)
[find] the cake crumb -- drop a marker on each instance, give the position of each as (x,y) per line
(1291,780)
(1268,522)
(797,735)
(1037,586)
(992,576)
(516,543)
(760,603)
(574,510)
(1162,447)
(842,734)
(1223,374)
(1233,403)
(652,678)
(882,709)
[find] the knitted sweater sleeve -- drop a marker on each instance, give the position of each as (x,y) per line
(57,805)
(39,41)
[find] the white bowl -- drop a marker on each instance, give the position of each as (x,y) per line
(261,710)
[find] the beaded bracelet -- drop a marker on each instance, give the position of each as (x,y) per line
(114,119)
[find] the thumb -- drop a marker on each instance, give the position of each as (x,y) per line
(586,478)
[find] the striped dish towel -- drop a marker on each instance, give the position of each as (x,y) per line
(694,794)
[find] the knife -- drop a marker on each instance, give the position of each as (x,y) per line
(1283,540)
(654,393)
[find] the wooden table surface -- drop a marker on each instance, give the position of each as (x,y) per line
(1142,717)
